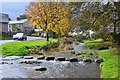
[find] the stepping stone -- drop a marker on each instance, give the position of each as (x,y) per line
(99,60)
(41,69)
(73,60)
(30,62)
(41,58)
(103,48)
(50,58)
(61,59)
(4,62)
(87,60)
(28,57)
(10,58)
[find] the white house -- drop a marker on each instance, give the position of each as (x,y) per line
(20,26)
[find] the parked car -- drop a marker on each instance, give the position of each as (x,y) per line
(20,36)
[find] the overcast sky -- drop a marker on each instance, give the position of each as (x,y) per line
(13,9)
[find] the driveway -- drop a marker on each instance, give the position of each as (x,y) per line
(28,38)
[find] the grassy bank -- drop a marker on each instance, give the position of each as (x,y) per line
(97,44)
(20,48)
(110,67)
(93,44)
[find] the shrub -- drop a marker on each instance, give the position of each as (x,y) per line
(65,44)
(66,40)
(61,46)
(68,47)
(79,38)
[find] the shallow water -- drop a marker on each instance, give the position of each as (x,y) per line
(55,69)
(65,70)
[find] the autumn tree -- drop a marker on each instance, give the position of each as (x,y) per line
(49,16)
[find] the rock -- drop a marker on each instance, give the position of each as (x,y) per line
(22,57)
(21,62)
(90,53)
(32,62)
(11,58)
(4,62)
(99,60)
(77,43)
(78,53)
(87,60)
(41,57)
(40,53)
(50,58)
(103,48)
(28,57)
(61,59)
(41,69)
(72,52)
(73,60)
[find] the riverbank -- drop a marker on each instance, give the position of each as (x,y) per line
(20,48)
(110,66)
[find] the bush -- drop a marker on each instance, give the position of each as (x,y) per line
(79,38)
(66,40)
(65,44)
(68,47)
(61,46)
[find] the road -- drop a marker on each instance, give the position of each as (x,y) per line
(28,38)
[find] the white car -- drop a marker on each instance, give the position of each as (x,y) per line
(20,36)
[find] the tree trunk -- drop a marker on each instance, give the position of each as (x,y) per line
(54,36)
(115,28)
(59,36)
(47,37)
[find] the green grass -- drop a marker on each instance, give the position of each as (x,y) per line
(5,38)
(97,44)
(20,48)
(93,44)
(110,67)
(94,41)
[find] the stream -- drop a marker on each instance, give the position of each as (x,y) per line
(54,69)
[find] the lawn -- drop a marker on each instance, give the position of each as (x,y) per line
(110,67)
(20,48)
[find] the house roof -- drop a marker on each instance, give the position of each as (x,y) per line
(18,22)
(4,17)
